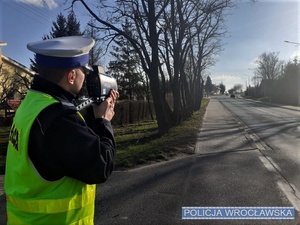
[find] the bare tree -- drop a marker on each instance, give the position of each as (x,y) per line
(269,67)
(165,36)
(209,29)
(97,51)
(144,14)
(5,84)
(238,87)
(13,87)
(13,83)
(192,33)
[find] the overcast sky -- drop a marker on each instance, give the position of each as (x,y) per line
(254,29)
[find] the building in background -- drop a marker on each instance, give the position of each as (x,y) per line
(15,80)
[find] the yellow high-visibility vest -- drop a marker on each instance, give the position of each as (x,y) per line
(31,200)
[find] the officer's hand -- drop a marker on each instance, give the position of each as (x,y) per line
(106,109)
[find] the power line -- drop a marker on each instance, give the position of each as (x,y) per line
(39,14)
(25,13)
(34,12)
(49,12)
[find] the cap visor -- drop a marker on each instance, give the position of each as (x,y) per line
(88,67)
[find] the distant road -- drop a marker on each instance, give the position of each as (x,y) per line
(279,129)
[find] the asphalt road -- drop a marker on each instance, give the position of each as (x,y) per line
(278,129)
(230,167)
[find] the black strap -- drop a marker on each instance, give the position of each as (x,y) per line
(68,106)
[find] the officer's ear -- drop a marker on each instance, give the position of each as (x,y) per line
(71,75)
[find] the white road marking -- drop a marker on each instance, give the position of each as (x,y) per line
(273,163)
(290,193)
(264,111)
(267,164)
(288,189)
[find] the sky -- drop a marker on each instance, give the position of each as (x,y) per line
(252,30)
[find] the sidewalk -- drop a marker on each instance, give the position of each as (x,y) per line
(221,132)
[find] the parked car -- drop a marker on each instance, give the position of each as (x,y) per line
(232,96)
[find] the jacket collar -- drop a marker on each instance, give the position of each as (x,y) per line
(43,85)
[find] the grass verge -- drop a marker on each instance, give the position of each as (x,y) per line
(139,144)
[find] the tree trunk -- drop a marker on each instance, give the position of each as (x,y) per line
(159,101)
(160,104)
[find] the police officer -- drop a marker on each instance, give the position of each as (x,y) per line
(54,158)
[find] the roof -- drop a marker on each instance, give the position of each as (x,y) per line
(216,87)
(3,44)
(17,64)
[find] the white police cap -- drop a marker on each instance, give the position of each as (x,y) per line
(62,52)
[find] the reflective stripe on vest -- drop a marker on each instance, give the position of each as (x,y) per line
(53,205)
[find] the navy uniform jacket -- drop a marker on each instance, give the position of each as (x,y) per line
(62,144)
